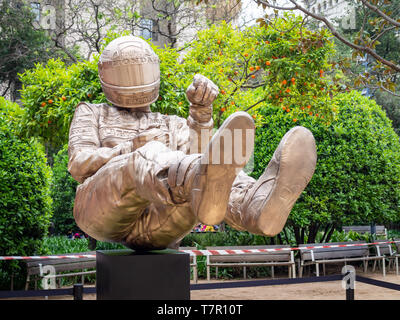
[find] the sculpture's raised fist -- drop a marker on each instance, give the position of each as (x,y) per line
(202,91)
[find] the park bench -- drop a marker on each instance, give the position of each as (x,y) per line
(386,250)
(193,262)
(379,230)
(76,265)
(397,254)
(317,256)
(269,259)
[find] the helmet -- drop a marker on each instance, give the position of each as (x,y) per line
(129,72)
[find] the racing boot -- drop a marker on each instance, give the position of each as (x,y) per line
(205,180)
(263,206)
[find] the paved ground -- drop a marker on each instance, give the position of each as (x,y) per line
(310,291)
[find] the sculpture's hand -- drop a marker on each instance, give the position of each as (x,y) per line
(151,135)
(201,94)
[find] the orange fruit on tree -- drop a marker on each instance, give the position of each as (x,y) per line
(287,110)
(232,103)
(223,109)
(43,104)
(251,68)
(50,101)
(254,116)
(309,107)
(246,54)
(294,120)
(268,63)
(284,108)
(293,80)
(287,90)
(253,76)
(257,67)
(222,91)
(180,103)
(219,41)
(63,98)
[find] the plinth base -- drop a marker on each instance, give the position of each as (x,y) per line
(142,275)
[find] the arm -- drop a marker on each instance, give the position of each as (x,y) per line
(85,153)
(201,94)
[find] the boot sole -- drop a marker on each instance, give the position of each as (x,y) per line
(296,167)
(218,170)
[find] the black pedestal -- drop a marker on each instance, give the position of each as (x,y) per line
(142,275)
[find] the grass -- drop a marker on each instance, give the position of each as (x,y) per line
(61,244)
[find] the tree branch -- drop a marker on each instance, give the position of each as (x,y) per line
(340,37)
(381,13)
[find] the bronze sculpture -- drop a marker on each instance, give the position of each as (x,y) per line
(147,178)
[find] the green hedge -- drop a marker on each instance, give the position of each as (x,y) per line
(357,177)
(25,202)
(63,190)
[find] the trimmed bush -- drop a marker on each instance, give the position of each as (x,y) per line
(63,190)
(25,203)
(357,177)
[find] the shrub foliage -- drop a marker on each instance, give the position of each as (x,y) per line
(63,194)
(357,177)
(25,203)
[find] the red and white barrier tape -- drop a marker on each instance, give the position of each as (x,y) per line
(246,251)
(207,252)
(75,256)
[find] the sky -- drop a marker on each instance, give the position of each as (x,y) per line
(251,11)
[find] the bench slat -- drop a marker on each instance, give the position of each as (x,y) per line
(379,230)
(277,256)
(333,253)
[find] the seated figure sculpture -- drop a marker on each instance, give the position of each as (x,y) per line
(146,179)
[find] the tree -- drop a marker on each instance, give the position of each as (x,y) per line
(21,45)
(166,22)
(381,14)
(364,72)
(357,177)
(291,70)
